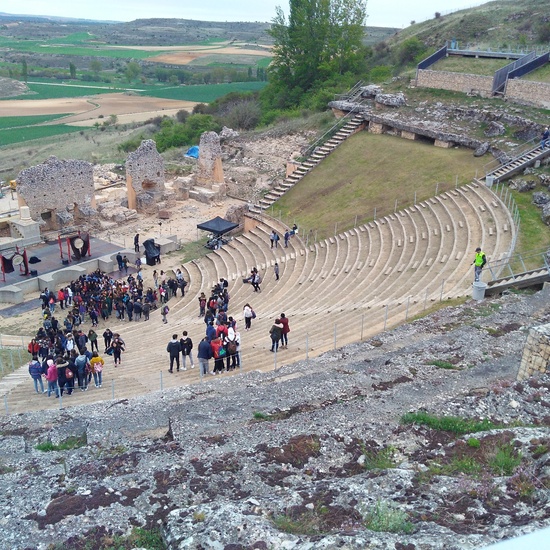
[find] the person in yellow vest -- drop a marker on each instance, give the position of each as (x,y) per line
(478,263)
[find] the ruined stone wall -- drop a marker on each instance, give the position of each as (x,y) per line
(457,82)
(65,188)
(144,173)
(209,168)
(527,91)
(536,352)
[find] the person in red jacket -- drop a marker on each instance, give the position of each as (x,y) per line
(34,347)
(286,330)
(218,352)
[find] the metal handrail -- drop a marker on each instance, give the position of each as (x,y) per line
(331,131)
(518,152)
(519,264)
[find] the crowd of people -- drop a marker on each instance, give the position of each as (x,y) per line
(67,357)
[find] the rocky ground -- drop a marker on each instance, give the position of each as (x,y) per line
(315,455)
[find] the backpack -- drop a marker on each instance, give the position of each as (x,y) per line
(165,310)
(81,361)
(69,373)
(231,347)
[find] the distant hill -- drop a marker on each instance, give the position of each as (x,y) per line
(501,24)
(150,32)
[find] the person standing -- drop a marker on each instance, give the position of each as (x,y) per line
(119,261)
(287,238)
(249,314)
(186,346)
(276,332)
(479,263)
(118,348)
(51,377)
(36,371)
(92,338)
(165,310)
(62,380)
(136,242)
(256,282)
(276,270)
(97,363)
(107,338)
(146,309)
(544,138)
(218,352)
(83,368)
(286,330)
(272,238)
(174,349)
(232,349)
(204,355)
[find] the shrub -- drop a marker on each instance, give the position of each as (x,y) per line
(453,424)
(442,364)
(381,459)
(69,443)
(473,442)
(505,461)
(385,517)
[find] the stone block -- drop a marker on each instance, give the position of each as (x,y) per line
(443,144)
(409,135)
(164,214)
(376,128)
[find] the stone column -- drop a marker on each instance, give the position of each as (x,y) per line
(536,352)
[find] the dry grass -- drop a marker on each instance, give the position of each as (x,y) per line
(373,171)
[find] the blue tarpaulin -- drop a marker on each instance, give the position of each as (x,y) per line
(193,152)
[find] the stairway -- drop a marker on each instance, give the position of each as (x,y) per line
(518,164)
(319,153)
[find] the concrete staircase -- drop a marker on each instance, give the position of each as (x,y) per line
(523,159)
(321,151)
(336,291)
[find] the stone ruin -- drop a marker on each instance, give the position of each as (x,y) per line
(58,192)
(145,178)
(210,170)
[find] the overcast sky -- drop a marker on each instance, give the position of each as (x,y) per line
(381,13)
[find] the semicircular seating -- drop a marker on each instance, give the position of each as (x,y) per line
(338,290)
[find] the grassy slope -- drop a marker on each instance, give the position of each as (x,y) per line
(370,171)
(498,24)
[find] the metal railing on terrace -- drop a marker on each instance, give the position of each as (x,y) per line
(340,123)
(519,264)
(513,155)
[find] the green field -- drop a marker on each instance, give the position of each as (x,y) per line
(50,91)
(18,135)
(205,93)
(229,61)
(7,122)
(64,47)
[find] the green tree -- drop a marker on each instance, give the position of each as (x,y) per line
(24,70)
(320,39)
(132,71)
(95,66)
(410,50)
(72,70)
